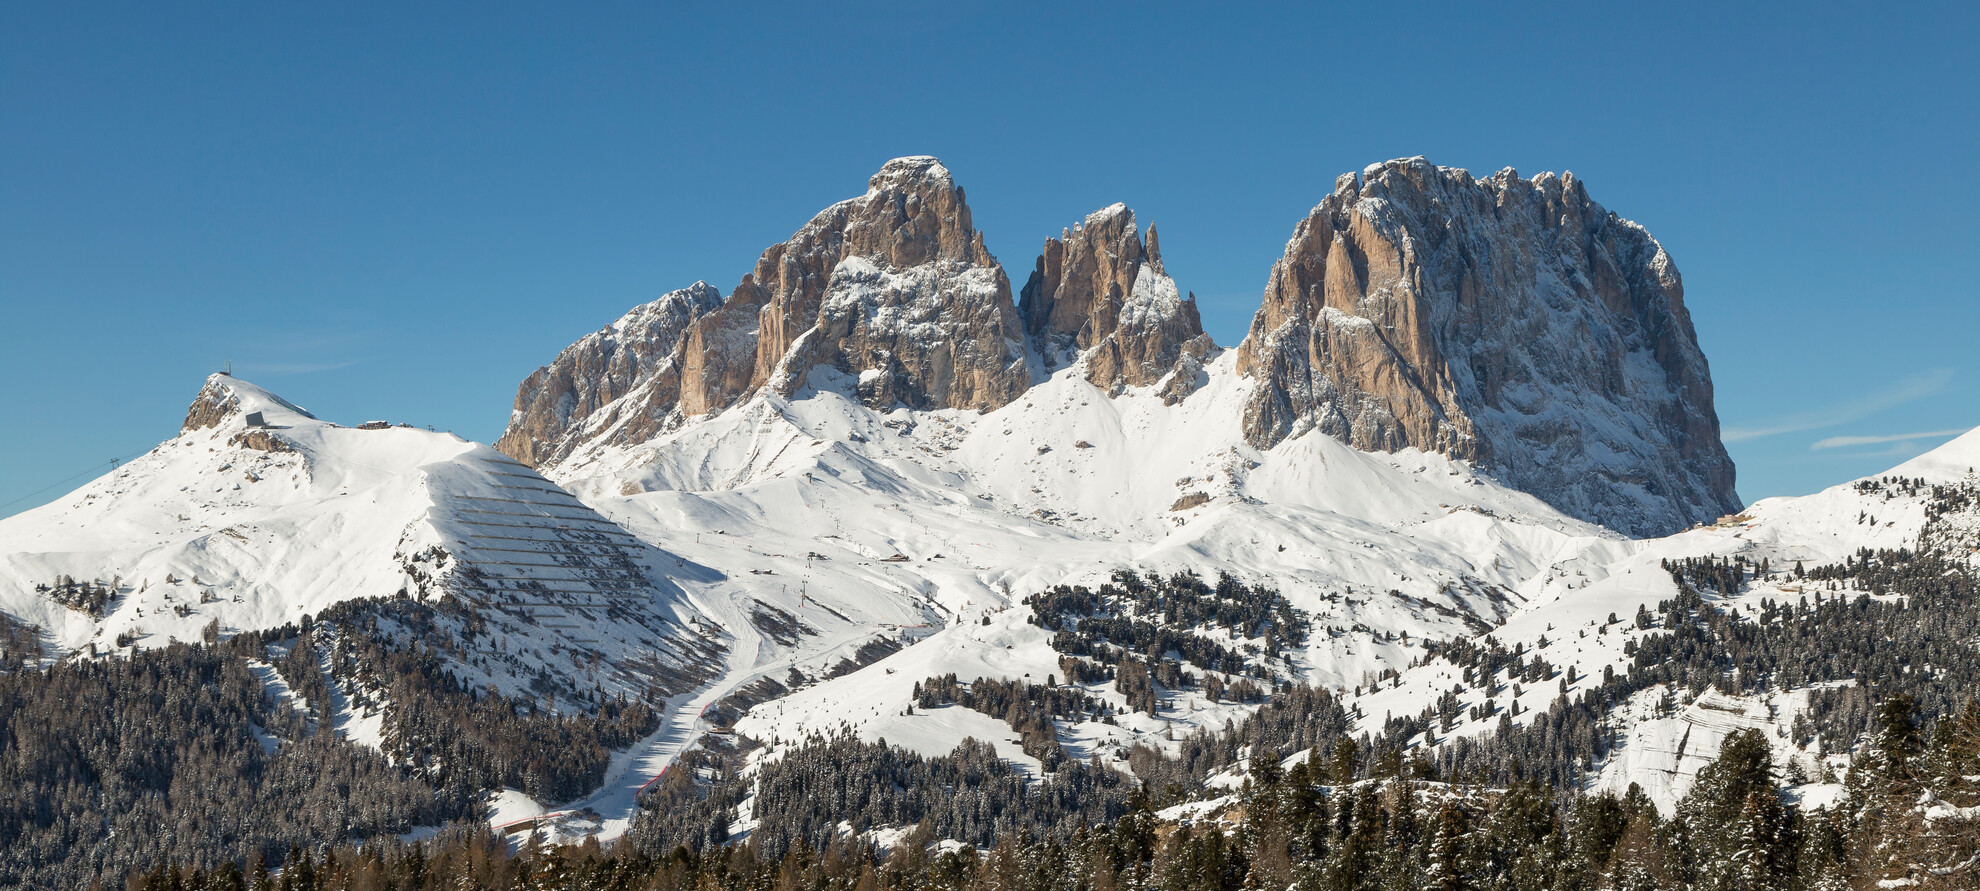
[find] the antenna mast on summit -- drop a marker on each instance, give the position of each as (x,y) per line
(228,369)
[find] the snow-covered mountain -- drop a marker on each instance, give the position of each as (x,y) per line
(856,472)
(1448,379)
(1134,442)
(787,432)
(258,514)
(1663,752)
(1511,323)
(1575,605)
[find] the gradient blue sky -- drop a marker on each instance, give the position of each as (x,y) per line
(396,213)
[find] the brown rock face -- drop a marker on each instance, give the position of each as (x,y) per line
(1191,370)
(260,441)
(212,405)
(584,394)
(1099,291)
(1511,322)
(892,290)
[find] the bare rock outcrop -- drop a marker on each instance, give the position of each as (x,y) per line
(620,383)
(1100,292)
(1511,322)
(220,398)
(214,402)
(892,290)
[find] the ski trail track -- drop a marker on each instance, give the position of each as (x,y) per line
(683,725)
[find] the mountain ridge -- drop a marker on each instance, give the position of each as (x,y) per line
(1511,323)
(869,466)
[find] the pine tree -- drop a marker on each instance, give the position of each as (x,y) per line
(1729,826)
(1883,790)
(1445,870)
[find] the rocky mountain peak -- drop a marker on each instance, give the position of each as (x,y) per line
(1512,322)
(1098,291)
(1509,321)
(224,396)
(211,405)
(912,213)
(893,291)
(621,382)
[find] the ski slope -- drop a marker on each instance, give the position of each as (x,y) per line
(787,533)
(254,526)
(851,518)
(1339,520)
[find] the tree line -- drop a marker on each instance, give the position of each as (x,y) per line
(1907,821)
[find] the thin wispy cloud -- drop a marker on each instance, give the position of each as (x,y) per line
(1838,442)
(293,367)
(1910,389)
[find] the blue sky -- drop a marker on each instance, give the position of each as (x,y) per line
(395,213)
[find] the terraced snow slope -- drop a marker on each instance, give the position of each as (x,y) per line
(255,525)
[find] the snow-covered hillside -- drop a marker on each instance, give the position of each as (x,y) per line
(849,518)
(790,533)
(253,527)
(1584,615)
(774,547)
(1068,486)
(969,511)
(258,514)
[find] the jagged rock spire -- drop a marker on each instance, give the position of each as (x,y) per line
(1099,291)
(894,289)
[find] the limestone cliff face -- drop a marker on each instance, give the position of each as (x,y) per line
(1099,291)
(1511,322)
(893,291)
(620,383)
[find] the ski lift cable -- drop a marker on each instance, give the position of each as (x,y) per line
(113,463)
